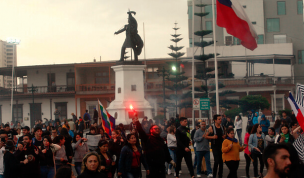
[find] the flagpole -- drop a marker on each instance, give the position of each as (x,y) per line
(193,111)
(215,61)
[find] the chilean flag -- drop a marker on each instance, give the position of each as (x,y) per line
(297,110)
(231,15)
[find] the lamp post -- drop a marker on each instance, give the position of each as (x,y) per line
(174,70)
(16,42)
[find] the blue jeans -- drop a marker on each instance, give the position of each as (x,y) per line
(239,134)
(200,155)
(78,167)
(47,172)
(173,156)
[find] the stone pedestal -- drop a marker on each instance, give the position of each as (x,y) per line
(129,90)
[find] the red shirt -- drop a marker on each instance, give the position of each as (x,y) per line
(136,159)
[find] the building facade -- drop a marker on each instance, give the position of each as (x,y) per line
(8,57)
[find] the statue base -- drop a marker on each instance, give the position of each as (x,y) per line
(129,63)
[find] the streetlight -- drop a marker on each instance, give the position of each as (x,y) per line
(16,42)
(174,68)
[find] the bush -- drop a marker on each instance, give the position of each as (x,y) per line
(233,112)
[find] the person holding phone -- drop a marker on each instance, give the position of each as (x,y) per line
(284,136)
(231,153)
(80,148)
(257,144)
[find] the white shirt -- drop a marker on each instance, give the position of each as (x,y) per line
(238,124)
(171,139)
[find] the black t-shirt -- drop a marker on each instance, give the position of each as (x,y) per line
(260,144)
(11,134)
(217,143)
(37,143)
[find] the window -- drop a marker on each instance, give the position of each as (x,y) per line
(62,108)
(152,72)
(281,8)
(119,90)
(9,53)
(133,87)
(190,12)
(228,40)
(254,23)
(9,46)
(70,81)
(9,57)
(9,49)
(301,57)
(236,41)
(208,25)
(244,7)
(273,25)
(279,38)
(208,8)
(280,104)
(102,77)
(260,39)
(17,112)
(190,42)
(300,7)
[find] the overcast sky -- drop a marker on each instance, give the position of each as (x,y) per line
(74,31)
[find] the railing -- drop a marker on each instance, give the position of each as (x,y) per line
(254,81)
(95,87)
(38,89)
(157,84)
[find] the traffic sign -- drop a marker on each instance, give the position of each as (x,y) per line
(204,104)
(196,104)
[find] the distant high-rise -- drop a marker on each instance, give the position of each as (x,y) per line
(8,54)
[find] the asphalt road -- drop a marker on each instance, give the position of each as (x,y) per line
(241,170)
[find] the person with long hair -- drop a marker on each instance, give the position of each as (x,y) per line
(238,126)
(284,135)
(257,144)
(60,155)
(247,153)
(172,145)
(116,143)
(131,159)
(107,162)
(47,164)
(231,153)
(68,144)
(91,166)
(104,135)
(277,126)
(80,148)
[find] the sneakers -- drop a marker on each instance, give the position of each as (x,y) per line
(210,176)
(198,175)
(169,171)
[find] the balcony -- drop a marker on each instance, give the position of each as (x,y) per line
(94,88)
(25,90)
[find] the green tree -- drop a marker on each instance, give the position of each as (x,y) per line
(176,76)
(205,73)
(252,102)
(233,112)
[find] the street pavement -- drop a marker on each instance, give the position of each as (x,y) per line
(241,170)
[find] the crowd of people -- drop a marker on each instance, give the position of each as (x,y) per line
(55,149)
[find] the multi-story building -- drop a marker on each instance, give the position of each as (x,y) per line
(73,88)
(276,63)
(8,57)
